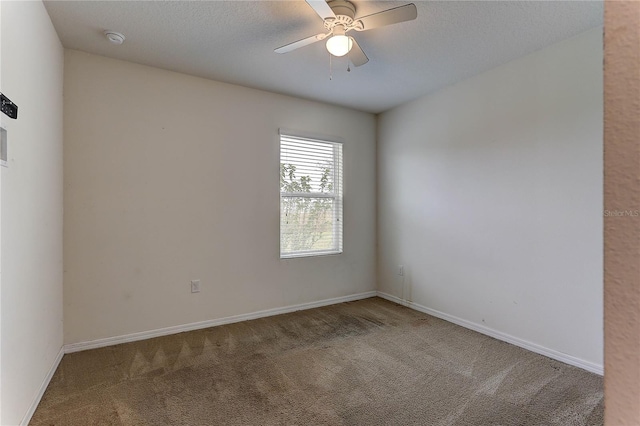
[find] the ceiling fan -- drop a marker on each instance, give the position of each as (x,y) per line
(339,19)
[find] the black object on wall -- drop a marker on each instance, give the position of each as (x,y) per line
(8,107)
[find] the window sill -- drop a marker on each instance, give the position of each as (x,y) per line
(310,254)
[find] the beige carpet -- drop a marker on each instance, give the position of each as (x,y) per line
(369,362)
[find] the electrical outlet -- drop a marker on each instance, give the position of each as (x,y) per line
(195,286)
(401,270)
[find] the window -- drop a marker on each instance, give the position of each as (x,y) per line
(310,196)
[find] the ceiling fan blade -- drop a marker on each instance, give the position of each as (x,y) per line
(300,43)
(356,55)
(390,16)
(322,8)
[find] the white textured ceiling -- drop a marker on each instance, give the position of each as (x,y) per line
(233,41)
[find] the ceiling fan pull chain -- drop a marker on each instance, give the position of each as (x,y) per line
(330,68)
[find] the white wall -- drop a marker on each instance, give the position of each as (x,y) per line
(490,195)
(31,288)
(1,125)
(170,178)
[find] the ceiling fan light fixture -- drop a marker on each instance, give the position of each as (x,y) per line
(339,17)
(339,45)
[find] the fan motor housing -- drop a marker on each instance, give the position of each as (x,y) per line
(343,7)
(344,10)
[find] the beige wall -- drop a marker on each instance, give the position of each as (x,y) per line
(622,193)
(170,178)
(31,287)
(490,195)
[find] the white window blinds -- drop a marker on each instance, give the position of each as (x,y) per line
(310,196)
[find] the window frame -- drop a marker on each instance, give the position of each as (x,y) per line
(338,194)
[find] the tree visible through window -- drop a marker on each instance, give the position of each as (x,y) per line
(310,197)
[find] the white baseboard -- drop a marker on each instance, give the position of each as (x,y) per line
(99,343)
(43,387)
(533,347)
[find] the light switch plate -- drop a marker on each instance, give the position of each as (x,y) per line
(3,146)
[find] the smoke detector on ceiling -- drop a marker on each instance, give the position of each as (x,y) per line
(114,37)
